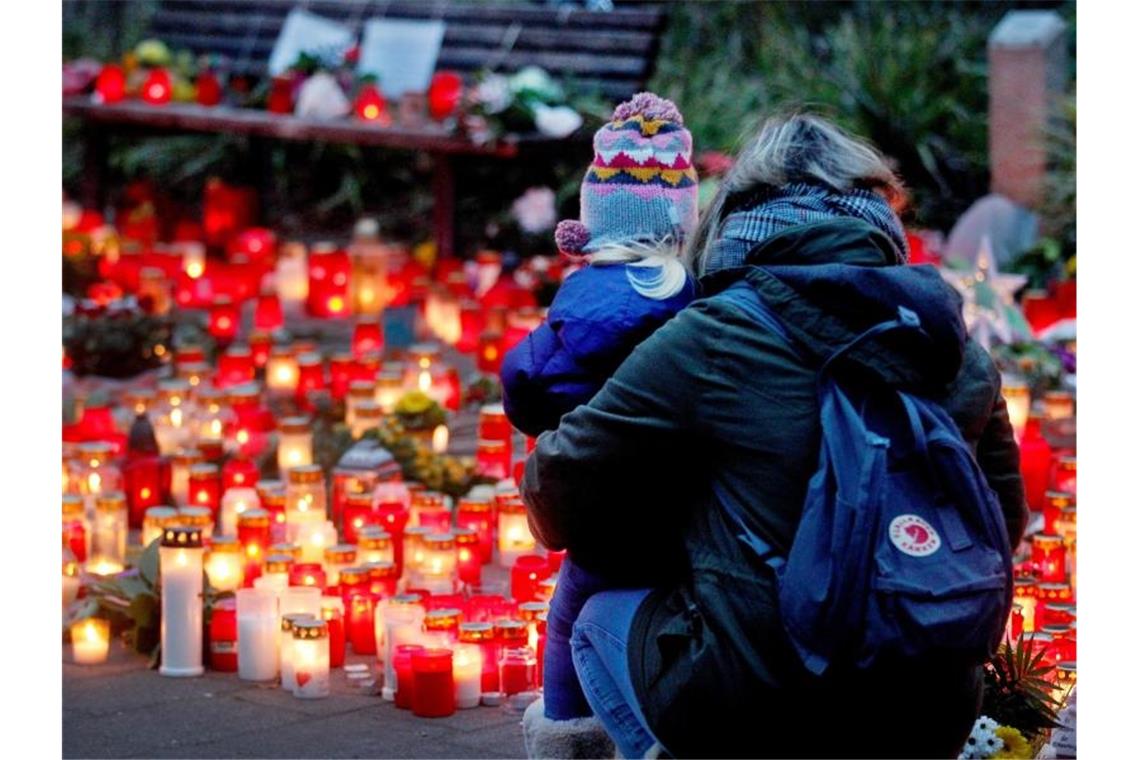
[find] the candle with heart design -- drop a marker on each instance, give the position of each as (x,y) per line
(285,646)
(310,659)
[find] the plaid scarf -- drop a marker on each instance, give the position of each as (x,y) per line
(768,211)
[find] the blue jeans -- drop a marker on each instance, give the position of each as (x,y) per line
(562,694)
(600,652)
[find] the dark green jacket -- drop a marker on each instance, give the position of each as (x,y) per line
(625,483)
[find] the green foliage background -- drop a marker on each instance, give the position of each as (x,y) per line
(911,76)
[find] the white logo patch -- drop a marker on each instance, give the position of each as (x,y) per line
(914,536)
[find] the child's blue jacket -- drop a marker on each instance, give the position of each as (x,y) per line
(595,321)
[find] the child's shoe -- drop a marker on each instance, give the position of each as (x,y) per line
(563,739)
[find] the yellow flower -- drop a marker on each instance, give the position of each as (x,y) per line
(413,402)
(1016,745)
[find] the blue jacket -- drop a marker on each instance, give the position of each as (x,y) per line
(596,320)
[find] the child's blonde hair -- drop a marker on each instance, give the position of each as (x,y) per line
(660,261)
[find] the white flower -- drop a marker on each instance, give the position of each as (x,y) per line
(536,80)
(558,121)
(321,98)
(534,210)
(494,93)
(985,724)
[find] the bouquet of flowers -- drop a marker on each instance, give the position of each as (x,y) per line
(527,101)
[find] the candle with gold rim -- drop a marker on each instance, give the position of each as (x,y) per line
(154,520)
(225,563)
(109,534)
(281,371)
(294,443)
(314,538)
(515,538)
(338,557)
(236,501)
(198,517)
(180,558)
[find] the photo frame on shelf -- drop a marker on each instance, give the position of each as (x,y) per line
(305,32)
(402,54)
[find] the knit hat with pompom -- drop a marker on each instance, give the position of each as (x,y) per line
(641,186)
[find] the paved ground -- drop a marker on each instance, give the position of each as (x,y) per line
(123,709)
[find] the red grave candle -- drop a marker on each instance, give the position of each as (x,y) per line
(268,314)
(310,374)
(361,624)
(156,88)
(493,459)
(433,687)
(1052,508)
(329,272)
(371,106)
(1065,474)
(393,519)
(554,559)
(239,472)
(367,338)
(436,519)
(516,671)
(253,534)
(74,527)
(493,424)
(471,325)
(223,636)
(111,84)
(475,514)
(1049,558)
(443,94)
(528,571)
(340,374)
(224,319)
(469,556)
(357,514)
(402,665)
(334,619)
(1036,458)
(143,481)
(280,95)
(209,89)
(483,635)
(307,574)
(1015,627)
(490,354)
(1056,613)
(260,344)
(235,367)
(382,579)
(205,486)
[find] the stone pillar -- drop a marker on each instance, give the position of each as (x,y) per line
(1027,71)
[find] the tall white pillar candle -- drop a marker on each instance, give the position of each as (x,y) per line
(180,556)
(257,634)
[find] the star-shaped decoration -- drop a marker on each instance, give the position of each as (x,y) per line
(991,313)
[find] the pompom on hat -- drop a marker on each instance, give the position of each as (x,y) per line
(641,186)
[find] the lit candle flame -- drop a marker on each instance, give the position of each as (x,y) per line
(176,417)
(425,381)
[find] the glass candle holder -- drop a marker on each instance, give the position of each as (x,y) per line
(338,557)
(236,501)
(313,538)
(467,671)
(198,517)
(1025,596)
(253,534)
(329,272)
(292,273)
(404,676)
(367,415)
(273,498)
(382,578)
(301,599)
(1055,502)
(223,636)
(436,571)
(414,549)
(529,613)
(515,538)
(1017,397)
(305,498)
(517,670)
(431,503)
(1064,475)
(367,338)
(285,647)
(389,388)
(310,374)
(205,486)
(310,659)
(332,612)
(76,529)
(268,314)
(403,622)
(154,521)
(71,581)
(393,518)
(109,534)
(359,392)
(493,424)
(493,459)
(1059,405)
(469,560)
(482,635)
(294,443)
(180,558)
(258,626)
(225,563)
(278,568)
(357,515)
(281,371)
(307,574)
(1048,558)
(526,573)
(236,366)
(442,625)
(260,343)
(433,688)
(90,641)
(361,605)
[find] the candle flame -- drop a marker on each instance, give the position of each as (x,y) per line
(216,427)
(242,437)
(195,269)
(144,493)
(176,417)
(425,381)
(310,580)
(94,481)
(91,632)
(532,636)
(181,559)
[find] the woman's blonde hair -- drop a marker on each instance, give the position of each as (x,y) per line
(665,273)
(789,148)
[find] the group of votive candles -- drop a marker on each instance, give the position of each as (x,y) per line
(299,603)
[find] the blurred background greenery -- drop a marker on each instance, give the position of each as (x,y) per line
(911,76)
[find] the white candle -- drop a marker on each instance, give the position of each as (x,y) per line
(467,671)
(180,557)
(285,647)
(154,520)
(305,499)
(281,372)
(294,444)
(301,600)
(225,563)
(1017,400)
(109,529)
(235,502)
(90,641)
(292,273)
(515,538)
(403,624)
(314,538)
(257,634)
(310,659)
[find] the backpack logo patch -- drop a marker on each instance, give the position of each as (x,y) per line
(914,536)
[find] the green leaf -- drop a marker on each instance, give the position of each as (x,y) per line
(148,564)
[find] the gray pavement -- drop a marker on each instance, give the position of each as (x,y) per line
(124,709)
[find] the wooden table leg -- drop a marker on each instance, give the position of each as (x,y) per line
(443,211)
(94,185)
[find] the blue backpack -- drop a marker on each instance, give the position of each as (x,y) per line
(902,550)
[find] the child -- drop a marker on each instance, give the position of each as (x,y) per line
(638,204)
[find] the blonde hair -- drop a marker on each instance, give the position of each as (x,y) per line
(661,261)
(796,147)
